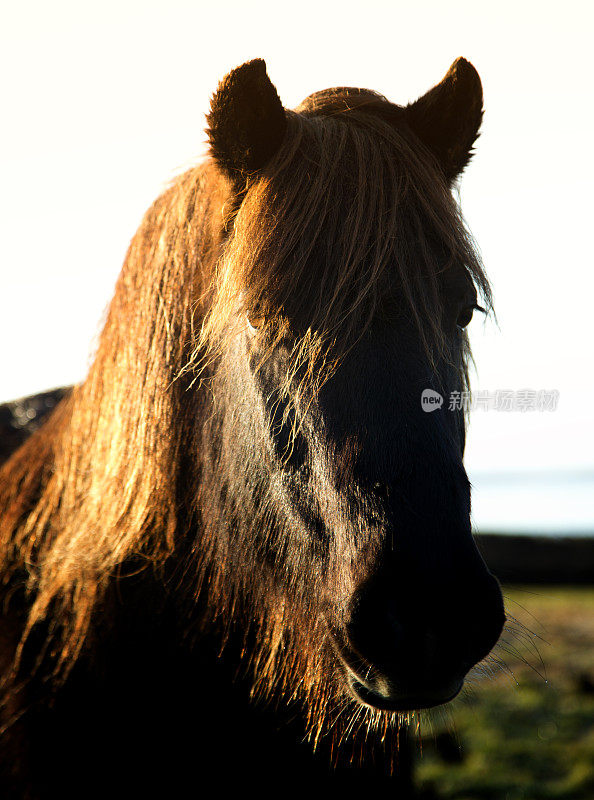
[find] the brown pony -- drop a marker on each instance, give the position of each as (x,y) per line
(240,551)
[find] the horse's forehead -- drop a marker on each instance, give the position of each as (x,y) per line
(340,98)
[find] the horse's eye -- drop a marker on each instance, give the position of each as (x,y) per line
(465,316)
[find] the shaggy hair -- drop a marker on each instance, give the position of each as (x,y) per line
(351,220)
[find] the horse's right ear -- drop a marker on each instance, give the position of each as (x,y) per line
(247,121)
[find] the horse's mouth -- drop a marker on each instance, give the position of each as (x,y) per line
(397,702)
(379,692)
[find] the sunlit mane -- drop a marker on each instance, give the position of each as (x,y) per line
(152,462)
(347,216)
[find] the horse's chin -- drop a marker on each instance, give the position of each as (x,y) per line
(397,702)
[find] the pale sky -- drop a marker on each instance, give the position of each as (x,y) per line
(103,103)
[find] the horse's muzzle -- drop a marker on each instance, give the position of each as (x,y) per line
(403,656)
(368,686)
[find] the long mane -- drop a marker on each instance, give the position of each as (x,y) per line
(98,482)
(350,212)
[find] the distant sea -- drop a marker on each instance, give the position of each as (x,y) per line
(540,502)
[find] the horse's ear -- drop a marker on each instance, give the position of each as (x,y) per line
(247,121)
(447,119)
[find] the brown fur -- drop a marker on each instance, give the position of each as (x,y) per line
(119,470)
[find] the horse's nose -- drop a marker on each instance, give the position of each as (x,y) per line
(409,644)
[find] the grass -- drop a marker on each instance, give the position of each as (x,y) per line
(526,731)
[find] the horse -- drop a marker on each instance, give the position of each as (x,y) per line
(239,553)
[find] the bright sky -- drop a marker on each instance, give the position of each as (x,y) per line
(102,103)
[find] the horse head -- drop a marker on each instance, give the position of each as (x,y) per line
(344,289)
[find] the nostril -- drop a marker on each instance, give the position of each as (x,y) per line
(475,635)
(429,650)
(485,635)
(486,620)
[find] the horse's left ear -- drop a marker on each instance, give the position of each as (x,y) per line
(447,119)
(247,121)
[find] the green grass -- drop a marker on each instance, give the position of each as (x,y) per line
(526,732)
